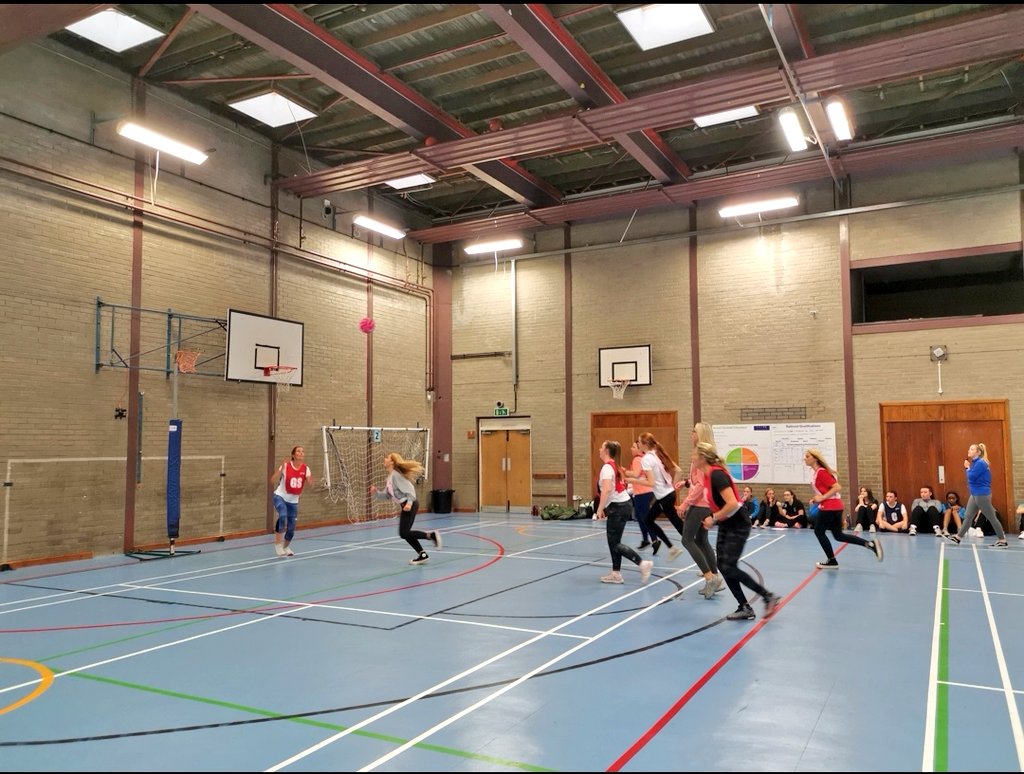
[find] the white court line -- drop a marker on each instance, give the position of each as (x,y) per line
(1004,674)
(346,609)
(493,659)
(977,687)
(96,592)
(928,754)
(95,664)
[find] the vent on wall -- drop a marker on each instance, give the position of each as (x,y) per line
(773,413)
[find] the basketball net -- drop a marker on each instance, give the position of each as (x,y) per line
(281,375)
(186,360)
(619,388)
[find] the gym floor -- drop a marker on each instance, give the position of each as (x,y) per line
(506,653)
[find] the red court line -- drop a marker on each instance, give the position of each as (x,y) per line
(249,611)
(683,700)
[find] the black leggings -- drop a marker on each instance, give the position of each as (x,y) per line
(405,530)
(833,521)
(732,537)
(666,505)
(617,514)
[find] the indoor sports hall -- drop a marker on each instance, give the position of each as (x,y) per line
(326,329)
(504,653)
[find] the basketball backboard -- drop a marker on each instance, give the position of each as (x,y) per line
(256,341)
(633,363)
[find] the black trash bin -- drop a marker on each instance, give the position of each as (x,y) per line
(441,500)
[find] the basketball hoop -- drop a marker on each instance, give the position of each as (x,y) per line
(186,360)
(619,388)
(281,375)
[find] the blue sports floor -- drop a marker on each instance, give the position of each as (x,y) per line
(505,653)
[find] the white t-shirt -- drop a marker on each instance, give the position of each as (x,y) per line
(608,474)
(662,479)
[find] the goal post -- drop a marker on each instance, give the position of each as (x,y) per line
(354,459)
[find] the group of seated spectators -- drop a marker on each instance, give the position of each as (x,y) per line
(926,514)
(770,512)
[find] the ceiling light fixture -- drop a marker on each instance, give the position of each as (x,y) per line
(794,132)
(494,247)
(765,205)
(161,142)
(659,24)
(272,109)
(376,225)
(835,109)
(711,119)
(112,29)
(410,181)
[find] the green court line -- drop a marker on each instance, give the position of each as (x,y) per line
(268,713)
(309,722)
(942,694)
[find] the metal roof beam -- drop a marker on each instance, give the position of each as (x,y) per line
(288,33)
(540,35)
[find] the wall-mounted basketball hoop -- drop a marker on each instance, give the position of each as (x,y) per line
(282,375)
(619,387)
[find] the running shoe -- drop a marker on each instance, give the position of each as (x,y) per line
(742,613)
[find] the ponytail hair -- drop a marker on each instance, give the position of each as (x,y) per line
(411,469)
(820,459)
(648,441)
(613,449)
(982,452)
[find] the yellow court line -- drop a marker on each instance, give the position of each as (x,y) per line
(46,680)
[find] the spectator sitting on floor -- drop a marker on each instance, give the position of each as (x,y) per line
(952,512)
(791,511)
(768,511)
(926,512)
(892,515)
(1020,520)
(752,503)
(865,511)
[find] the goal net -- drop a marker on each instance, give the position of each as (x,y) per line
(354,459)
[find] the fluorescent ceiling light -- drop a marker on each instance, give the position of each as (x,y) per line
(659,24)
(494,247)
(380,228)
(836,112)
(765,205)
(272,109)
(726,116)
(795,136)
(161,142)
(112,29)
(410,181)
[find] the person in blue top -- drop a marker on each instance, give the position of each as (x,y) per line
(979,483)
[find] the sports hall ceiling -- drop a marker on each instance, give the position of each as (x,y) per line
(535,115)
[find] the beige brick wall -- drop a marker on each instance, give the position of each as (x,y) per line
(769,315)
(65,249)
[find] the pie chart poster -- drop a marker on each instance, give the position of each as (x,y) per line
(773,453)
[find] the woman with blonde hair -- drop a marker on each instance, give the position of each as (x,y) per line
(979,484)
(733,530)
(830,511)
(401,489)
(694,509)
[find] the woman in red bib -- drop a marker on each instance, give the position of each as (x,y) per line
(290,479)
(830,512)
(615,507)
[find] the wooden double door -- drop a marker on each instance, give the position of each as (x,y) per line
(624,427)
(505,470)
(925,444)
